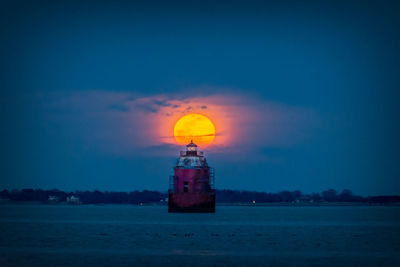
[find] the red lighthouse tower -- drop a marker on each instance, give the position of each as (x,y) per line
(191,187)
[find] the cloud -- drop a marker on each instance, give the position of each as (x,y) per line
(123,123)
(119,107)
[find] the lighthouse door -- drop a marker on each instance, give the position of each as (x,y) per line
(185,187)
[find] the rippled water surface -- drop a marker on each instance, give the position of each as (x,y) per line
(113,235)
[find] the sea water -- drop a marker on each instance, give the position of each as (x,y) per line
(126,235)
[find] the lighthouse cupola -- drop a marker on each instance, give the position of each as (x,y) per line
(191,149)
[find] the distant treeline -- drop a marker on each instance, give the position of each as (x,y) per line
(222,196)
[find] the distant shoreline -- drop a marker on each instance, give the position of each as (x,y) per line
(275,204)
(223,197)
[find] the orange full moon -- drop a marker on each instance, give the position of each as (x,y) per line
(194,127)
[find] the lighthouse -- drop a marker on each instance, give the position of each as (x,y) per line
(191,187)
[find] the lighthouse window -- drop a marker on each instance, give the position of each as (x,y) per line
(186,161)
(185,187)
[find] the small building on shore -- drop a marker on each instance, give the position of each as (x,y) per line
(52,198)
(74,200)
(304,199)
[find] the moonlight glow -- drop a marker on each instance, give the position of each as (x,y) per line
(194,127)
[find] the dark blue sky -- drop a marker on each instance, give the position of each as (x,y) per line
(63,63)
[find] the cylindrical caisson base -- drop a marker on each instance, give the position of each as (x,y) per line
(191,202)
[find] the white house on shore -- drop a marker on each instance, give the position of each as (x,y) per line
(73,200)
